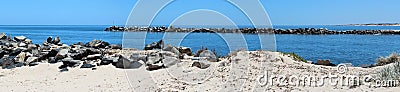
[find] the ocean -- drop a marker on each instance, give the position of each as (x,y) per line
(355,49)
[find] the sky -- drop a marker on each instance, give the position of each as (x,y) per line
(116,12)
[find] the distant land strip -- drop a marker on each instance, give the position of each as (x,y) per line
(374,24)
(306,31)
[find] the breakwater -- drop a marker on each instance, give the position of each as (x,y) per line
(308,31)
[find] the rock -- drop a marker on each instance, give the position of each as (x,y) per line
(209,55)
(127,64)
(33,63)
(2,53)
(21,57)
(49,39)
(115,46)
(52,60)
(201,64)
(19,64)
(32,59)
(88,66)
(325,63)
(94,57)
(170,61)
(185,50)
(153,67)
(3,36)
(56,40)
(14,44)
(138,57)
(366,65)
(21,44)
(71,63)
(7,63)
(172,49)
(32,46)
(153,57)
(97,44)
(155,45)
(64,69)
(62,54)
(15,52)
(28,41)
(52,53)
(20,38)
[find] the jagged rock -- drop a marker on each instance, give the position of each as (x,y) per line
(171,49)
(7,63)
(88,66)
(52,53)
(3,36)
(153,57)
(19,64)
(62,54)
(115,46)
(20,38)
(97,44)
(49,39)
(108,60)
(202,64)
(2,53)
(185,50)
(15,52)
(14,44)
(170,61)
(32,46)
(155,45)
(32,59)
(56,40)
(21,57)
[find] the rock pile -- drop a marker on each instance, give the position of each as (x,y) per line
(20,51)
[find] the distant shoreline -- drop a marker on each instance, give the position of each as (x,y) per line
(373,24)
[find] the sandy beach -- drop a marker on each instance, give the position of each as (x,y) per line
(220,76)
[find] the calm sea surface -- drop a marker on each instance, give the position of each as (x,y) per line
(356,49)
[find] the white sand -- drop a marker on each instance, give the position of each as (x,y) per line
(238,74)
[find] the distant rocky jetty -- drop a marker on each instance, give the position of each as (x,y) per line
(305,31)
(375,24)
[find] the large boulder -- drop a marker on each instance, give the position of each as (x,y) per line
(125,63)
(20,38)
(170,61)
(62,54)
(97,44)
(155,45)
(185,50)
(32,59)
(153,57)
(172,49)
(94,57)
(115,46)
(56,40)
(202,64)
(49,40)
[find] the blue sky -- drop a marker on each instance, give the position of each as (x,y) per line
(108,12)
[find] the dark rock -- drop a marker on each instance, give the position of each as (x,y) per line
(88,66)
(56,40)
(15,52)
(138,57)
(33,63)
(64,69)
(155,45)
(19,64)
(20,38)
(325,63)
(49,39)
(70,62)
(185,50)
(201,64)
(154,67)
(2,53)
(97,44)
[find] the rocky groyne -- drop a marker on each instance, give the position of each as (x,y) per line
(19,51)
(306,31)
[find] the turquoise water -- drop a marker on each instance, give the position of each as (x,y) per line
(356,49)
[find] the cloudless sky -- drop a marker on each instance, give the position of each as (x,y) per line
(281,12)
